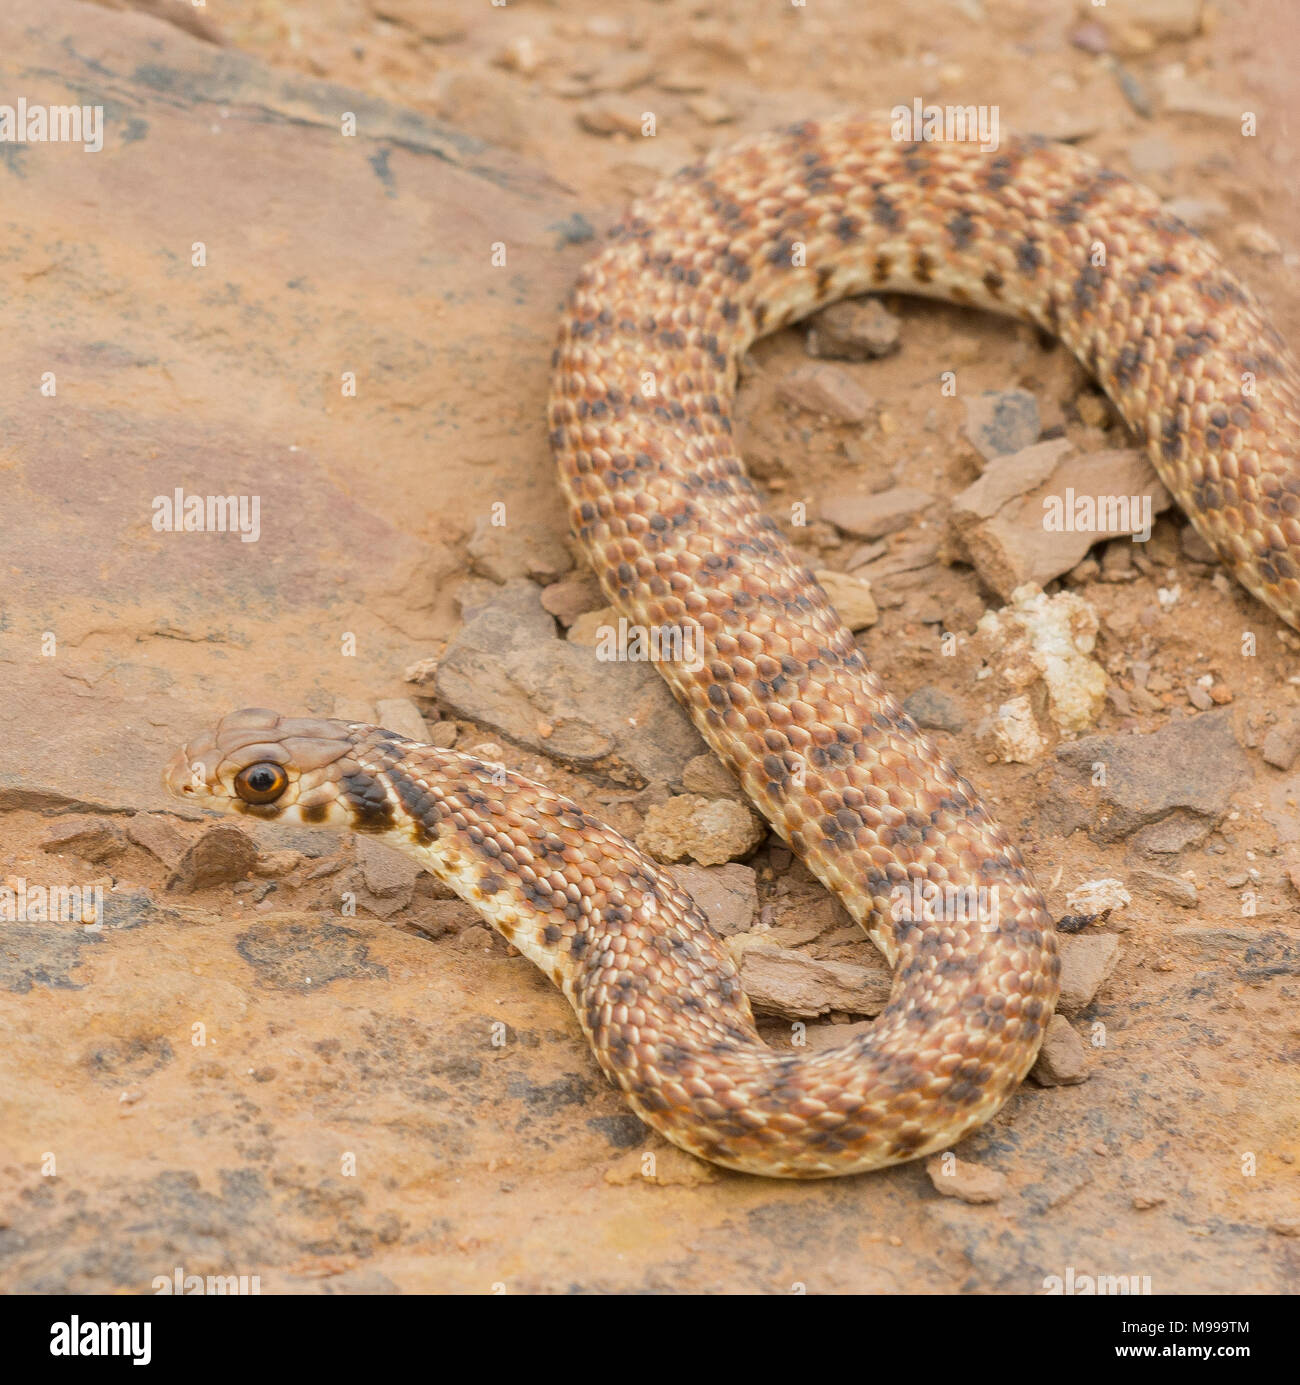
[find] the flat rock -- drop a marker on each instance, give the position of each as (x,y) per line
(387,873)
(1181,94)
(400,714)
(872,516)
(963,1180)
(795,986)
(707,775)
(572,596)
(1033,515)
(1183,774)
(851,597)
(500,552)
(999,422)
(1062,1060)
(355,709)
(439,21)
(506,668)
(825,390)
(933,709)
(819,1037)
(1086,963)
(159,836)
(1158,884)
(93,839)
(728,894)
(196,624)
(1200,213)
(1161,19)
(1281,746)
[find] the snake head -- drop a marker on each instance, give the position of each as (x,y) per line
(268,766)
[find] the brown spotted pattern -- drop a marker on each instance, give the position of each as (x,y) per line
(645,369)
(656,992)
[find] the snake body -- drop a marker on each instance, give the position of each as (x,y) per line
(645,370)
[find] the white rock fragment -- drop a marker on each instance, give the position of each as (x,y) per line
(1096,896)
(1041,647)
(1015,732)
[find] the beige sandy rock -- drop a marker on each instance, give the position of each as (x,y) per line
(710,831)
(851,597)
(1033,515)
(1162,20)
(400,714)
(1281,745)
(963,1180)
(1062,1061)
(1157,884)
(586,628)
(572,597)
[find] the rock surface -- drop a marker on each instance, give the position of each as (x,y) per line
(855,330)
(342,1103)
(1179,778)
(872,516)
(1033,515)
(728,894)
(506,668)
(1000,422)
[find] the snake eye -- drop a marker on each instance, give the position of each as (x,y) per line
(261,783)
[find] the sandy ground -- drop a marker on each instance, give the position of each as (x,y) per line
(239,1079)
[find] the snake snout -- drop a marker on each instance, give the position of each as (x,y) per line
(190,772)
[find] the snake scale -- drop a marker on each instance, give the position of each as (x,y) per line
(640,416)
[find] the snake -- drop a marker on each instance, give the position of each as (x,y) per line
(645,370)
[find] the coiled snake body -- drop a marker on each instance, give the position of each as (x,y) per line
(640,423)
